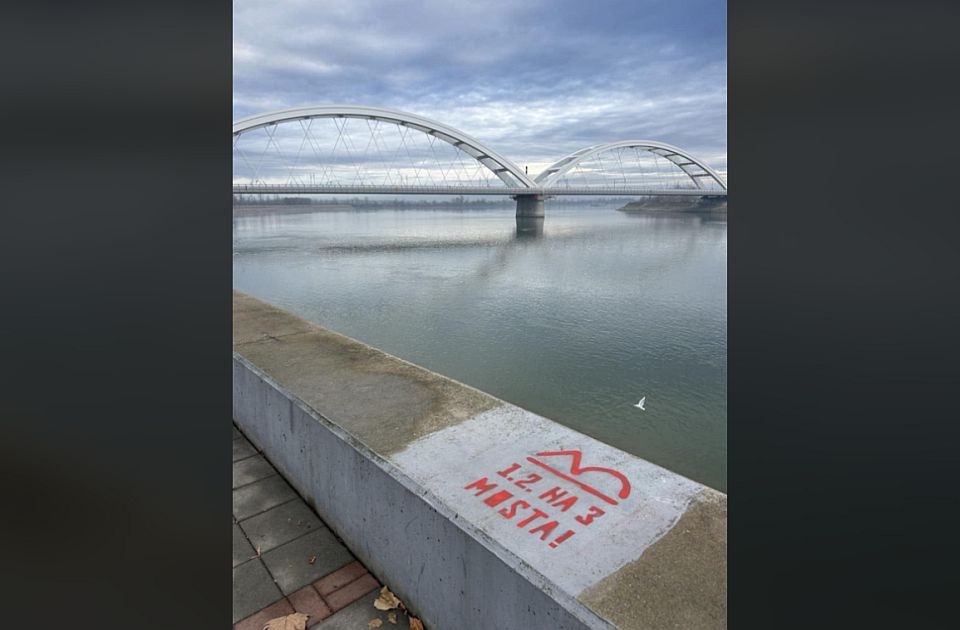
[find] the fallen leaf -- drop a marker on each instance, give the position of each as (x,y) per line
(311,559)
(386,600)
(296,621)
(392,617)
(374,623)
(258,551)
(415,624)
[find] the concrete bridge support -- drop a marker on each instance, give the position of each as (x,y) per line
(530,205)
(529,227)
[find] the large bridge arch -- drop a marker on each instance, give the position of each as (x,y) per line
(504,169)
(692,167)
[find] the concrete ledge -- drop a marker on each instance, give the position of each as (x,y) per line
(479,514)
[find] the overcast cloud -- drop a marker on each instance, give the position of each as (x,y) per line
(534,79)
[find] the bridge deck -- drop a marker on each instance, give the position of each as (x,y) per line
(470,190)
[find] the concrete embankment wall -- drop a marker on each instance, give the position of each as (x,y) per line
(478,514)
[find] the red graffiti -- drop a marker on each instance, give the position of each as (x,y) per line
(576,470)
(512,511)
(506,473)
(561,538)
(531,478)
(482,486)
(545,529)
(589,516)
(498,498)
(556,500)
(536,514)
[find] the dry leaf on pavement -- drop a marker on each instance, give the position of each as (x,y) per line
(392,617)
(386,600)
(374,623)
(296,621)
(415,624)
(311,559)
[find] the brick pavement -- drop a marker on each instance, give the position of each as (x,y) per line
(286,560)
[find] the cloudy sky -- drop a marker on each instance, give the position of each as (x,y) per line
(533,79)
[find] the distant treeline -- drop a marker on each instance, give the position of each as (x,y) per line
(366,202)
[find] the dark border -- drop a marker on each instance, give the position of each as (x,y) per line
(843,281)
(116,262)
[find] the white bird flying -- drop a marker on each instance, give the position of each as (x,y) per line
(639,405)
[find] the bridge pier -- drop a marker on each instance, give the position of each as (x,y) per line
(529,227)
(530,205)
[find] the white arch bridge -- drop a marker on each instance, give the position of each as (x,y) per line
(371,150)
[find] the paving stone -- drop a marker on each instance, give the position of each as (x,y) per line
(258,620)
(253,589)
(236,432)
(308,602)
(242,449)
(242,551)
(280,525)
(251,469)
(260,496)
(289,563)
(343,597)
(339,578)
(357,615)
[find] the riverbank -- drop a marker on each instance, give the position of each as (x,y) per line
(478,514)
(710,205)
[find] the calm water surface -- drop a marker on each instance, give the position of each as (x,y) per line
(574,320)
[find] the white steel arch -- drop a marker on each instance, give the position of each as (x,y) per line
(508,172)
(691,166)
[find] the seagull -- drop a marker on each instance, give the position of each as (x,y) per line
(639,405)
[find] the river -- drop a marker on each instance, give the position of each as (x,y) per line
(575,318)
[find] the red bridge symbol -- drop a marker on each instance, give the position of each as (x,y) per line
(576,470)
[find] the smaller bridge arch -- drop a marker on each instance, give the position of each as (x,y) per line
(693,168)
(505,170)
